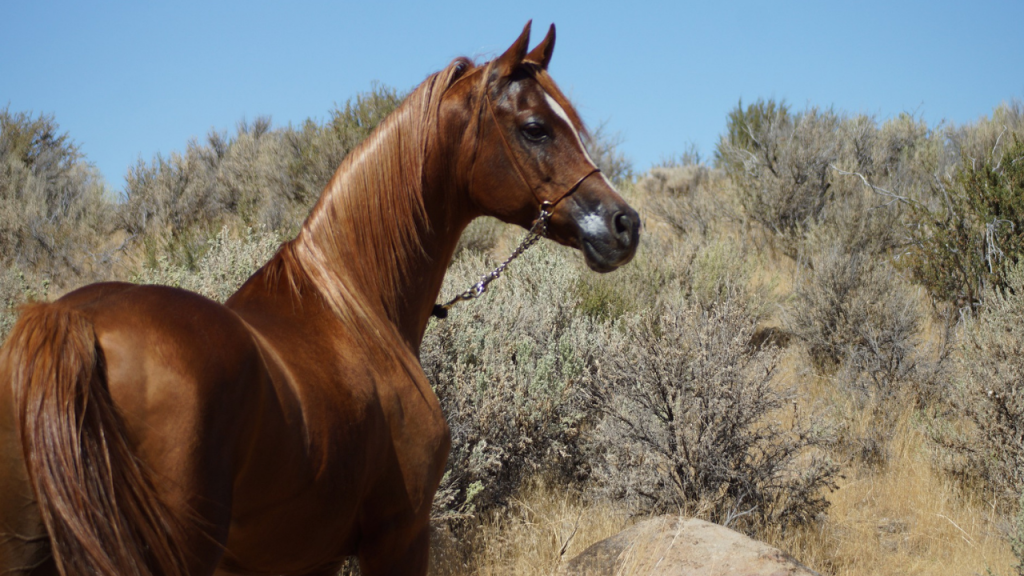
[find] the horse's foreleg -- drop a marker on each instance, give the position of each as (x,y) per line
(402,550)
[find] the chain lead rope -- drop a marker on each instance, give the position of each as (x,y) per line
(536,232)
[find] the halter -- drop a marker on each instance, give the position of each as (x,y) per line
(537,229)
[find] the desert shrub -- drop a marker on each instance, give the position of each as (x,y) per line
(174,193)
(860,326)
(252,178)
(906,157)
(602,298)
(690,156)
(364,113)
(259,177)
(745,128)
(718,271)
(798,171)
(782,164)
(679,196)
(969,242)
(506,370)
(692,421)
(989,380)
(1017,540)
(851,308)
(54,209)
(317,150)
(227,262)
(244,177)
(658,269)
(987,138)
(481,235)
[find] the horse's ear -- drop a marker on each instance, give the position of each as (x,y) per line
(505,64)
(542,53)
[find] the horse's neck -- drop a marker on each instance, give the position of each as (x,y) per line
(391,273)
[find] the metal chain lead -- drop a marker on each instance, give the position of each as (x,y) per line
(536,232)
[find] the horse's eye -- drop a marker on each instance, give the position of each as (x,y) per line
(534,131)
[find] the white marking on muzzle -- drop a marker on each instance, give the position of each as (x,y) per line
(593,226)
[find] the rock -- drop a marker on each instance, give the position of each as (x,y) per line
(670,545)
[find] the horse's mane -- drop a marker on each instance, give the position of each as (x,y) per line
(358,241)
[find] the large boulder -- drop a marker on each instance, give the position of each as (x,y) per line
(670,545)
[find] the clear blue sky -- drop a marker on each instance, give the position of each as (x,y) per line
(133,79)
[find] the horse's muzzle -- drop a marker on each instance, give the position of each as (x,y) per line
(609,238)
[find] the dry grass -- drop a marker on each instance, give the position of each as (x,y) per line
(904,519)
(543,526)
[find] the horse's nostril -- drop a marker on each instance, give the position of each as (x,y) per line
(625,225)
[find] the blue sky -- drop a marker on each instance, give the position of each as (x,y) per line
(129,80)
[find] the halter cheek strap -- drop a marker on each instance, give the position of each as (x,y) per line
(544,205)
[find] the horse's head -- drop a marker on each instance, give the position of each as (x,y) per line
(529,155)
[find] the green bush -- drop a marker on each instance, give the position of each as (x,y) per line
(969,242)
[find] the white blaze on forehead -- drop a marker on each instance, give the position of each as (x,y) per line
(558,110)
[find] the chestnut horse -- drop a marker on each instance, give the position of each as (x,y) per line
(148,430)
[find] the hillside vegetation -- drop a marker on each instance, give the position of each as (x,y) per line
(820,342)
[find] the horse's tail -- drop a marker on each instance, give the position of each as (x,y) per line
(98,503)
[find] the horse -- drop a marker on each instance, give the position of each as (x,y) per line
(147,430)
